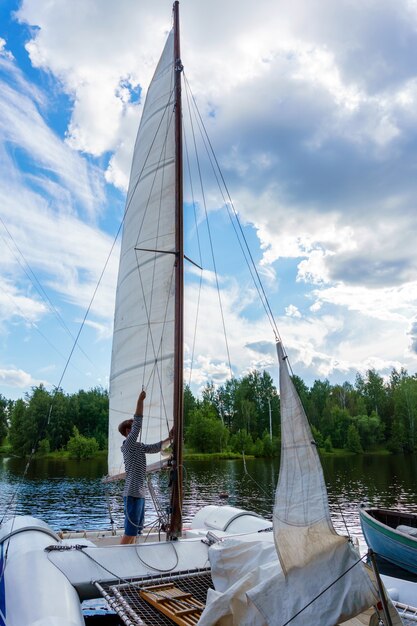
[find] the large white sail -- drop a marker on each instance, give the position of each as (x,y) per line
(143,339)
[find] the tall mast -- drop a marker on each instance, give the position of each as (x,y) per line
(177,482)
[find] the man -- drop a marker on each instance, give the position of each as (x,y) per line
(134,455)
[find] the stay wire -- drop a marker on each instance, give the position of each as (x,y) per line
(229,204)
(35,326)
(250,265)
(226,203)
(38,286)
(258,282)
(210,241)
(261,489)
(200,257)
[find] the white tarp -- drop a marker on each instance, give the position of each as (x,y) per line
(252,590)
(143,340)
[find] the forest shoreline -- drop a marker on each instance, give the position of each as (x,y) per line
(62,455)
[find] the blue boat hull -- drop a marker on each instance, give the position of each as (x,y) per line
(394,546)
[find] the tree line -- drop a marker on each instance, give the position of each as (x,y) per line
(240,416)
(44,422)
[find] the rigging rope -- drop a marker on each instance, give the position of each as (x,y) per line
(35,326)
(41,291)
(212,157)
(199,253)
(209,235)
(261,489)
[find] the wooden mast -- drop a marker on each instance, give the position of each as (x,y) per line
(175,528)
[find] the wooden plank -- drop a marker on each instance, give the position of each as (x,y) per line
(181,607)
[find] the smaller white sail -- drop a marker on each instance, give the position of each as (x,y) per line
(323,579)
(302,524)
(313,576)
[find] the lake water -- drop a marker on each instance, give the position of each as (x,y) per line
(70,494)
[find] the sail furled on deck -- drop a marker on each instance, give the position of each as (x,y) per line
(143,336)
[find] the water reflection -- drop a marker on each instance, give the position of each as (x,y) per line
(71,494)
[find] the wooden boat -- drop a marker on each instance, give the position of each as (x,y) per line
(244,569)
(392,535)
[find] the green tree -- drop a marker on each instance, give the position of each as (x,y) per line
(398,440)
(405,411)
(190,404)
(17,431)
(80,447)
(303,392)
(60,422)
(258,448)
(265,397)
(93,412)
(318,437)
(44,446)
(375,394)
(226,398)
(206,433)
(4,414)
(328,446)
(370,429)
(339,430)
(241,442)
(318,398)
(268,445)
(209,393)
(249,415)
(36,417)
(353,443)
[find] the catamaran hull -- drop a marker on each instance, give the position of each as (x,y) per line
(45,578)
(33,591)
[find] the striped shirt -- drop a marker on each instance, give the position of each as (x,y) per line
(134,456)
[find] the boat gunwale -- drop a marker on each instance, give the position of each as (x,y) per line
(388,531)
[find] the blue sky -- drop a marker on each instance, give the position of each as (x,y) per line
(311,108)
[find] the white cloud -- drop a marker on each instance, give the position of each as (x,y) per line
(292,311)
(104,331)
(52,201)
(3,52)
(21,125)
(15,304)
(311,109)
(18,378)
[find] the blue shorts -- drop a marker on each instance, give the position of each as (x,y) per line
(134,515)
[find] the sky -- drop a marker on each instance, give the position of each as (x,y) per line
(311,109)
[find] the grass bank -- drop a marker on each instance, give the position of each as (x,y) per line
(342,452)
(203,456)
